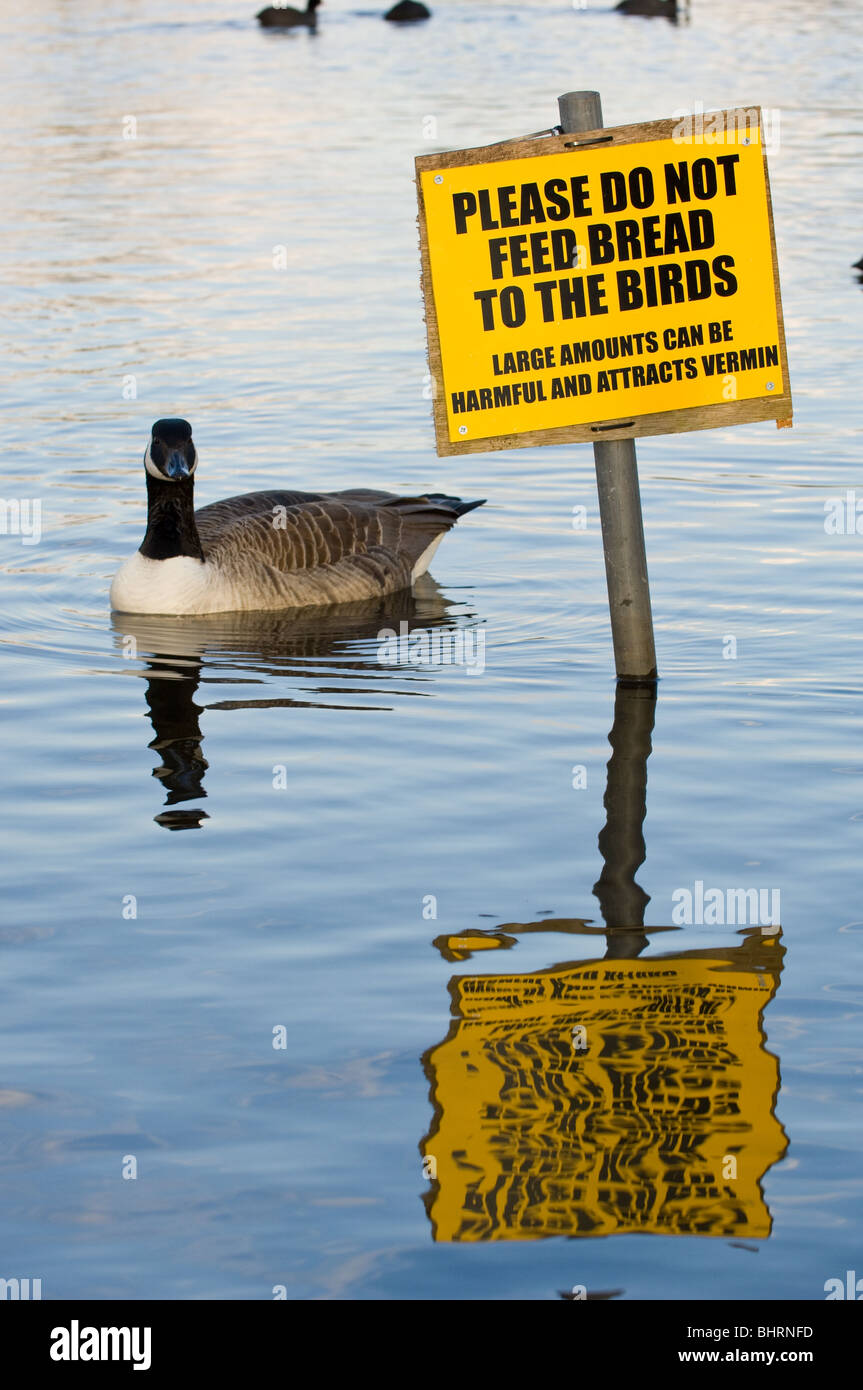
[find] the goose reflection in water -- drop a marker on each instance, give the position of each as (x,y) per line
(318,648)
(613,1094)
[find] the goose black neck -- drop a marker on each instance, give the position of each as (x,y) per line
(171,528)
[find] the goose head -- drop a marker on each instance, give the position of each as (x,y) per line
(170,461)
(171,455)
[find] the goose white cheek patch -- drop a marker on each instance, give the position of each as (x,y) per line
(151,467)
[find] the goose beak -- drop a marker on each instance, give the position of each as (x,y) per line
(177,467)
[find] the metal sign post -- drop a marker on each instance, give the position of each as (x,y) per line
(619,497)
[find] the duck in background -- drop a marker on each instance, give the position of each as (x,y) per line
(278,17)
(663,9)
(407,12)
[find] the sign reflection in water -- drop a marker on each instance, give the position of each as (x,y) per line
(607,1096)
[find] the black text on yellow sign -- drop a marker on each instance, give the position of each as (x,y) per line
(624,280)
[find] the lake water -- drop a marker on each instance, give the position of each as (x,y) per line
(303,937)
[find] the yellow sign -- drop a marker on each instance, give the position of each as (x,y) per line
(606,1097)
(615,283)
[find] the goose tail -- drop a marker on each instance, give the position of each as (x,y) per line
(455,504)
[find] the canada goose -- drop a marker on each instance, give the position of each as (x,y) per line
(284,17)
(268,550)
(406,11)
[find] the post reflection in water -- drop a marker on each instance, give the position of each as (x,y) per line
(607,1096)
(622,901)
(315,648)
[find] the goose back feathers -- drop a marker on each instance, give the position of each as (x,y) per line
(294,548)
(280,549)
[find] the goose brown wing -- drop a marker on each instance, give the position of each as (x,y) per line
(293,531)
